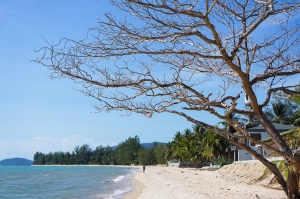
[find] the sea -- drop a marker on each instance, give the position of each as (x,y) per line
(88,182)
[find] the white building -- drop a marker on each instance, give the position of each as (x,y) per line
(258,133)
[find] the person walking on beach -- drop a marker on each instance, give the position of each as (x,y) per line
(144,167)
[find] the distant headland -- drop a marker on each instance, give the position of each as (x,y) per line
(16,162)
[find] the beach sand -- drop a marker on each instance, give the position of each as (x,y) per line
(235,181)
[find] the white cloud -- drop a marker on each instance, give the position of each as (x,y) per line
(26,149)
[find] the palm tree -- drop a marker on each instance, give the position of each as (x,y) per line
(283,112)
(167,152)
(186,146)
(293,140)
(175,144)
(198,132)
(278,113)
(251,120)
(213,145)
(295,118)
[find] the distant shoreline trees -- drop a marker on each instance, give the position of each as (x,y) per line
(125,153)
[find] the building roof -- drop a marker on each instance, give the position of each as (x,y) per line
(283,134)
(279,127)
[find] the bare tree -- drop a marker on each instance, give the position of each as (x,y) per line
(164,51)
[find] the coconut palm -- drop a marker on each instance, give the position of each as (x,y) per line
(198,144)
(293,140)
(283,112)
(295,118)
(278,113)
(167,152)
(175,144)
(213,145)
(187,146)
(198,132)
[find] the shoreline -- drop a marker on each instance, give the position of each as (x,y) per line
(79,165)
(235,181)
(137,188)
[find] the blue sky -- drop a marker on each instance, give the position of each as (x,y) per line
(39,114)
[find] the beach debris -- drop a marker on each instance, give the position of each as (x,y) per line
(256,196)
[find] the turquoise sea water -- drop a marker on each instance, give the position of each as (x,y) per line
(64,181)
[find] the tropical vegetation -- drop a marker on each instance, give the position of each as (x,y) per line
(128,152)
(284,111)
(196,145)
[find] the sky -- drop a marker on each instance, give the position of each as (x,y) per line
(40,114)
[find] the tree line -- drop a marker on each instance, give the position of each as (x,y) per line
(128,152)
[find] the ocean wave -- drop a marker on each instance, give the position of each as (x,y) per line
(118,179)
(119,193)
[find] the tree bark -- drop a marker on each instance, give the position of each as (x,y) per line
(273,133)
(293,183)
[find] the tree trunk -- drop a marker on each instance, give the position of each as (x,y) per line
(273,133)
(293,183)
(273,168)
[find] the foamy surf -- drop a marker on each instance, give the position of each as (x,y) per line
(118,179)
(119,193)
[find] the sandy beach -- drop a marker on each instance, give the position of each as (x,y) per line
(238,180)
